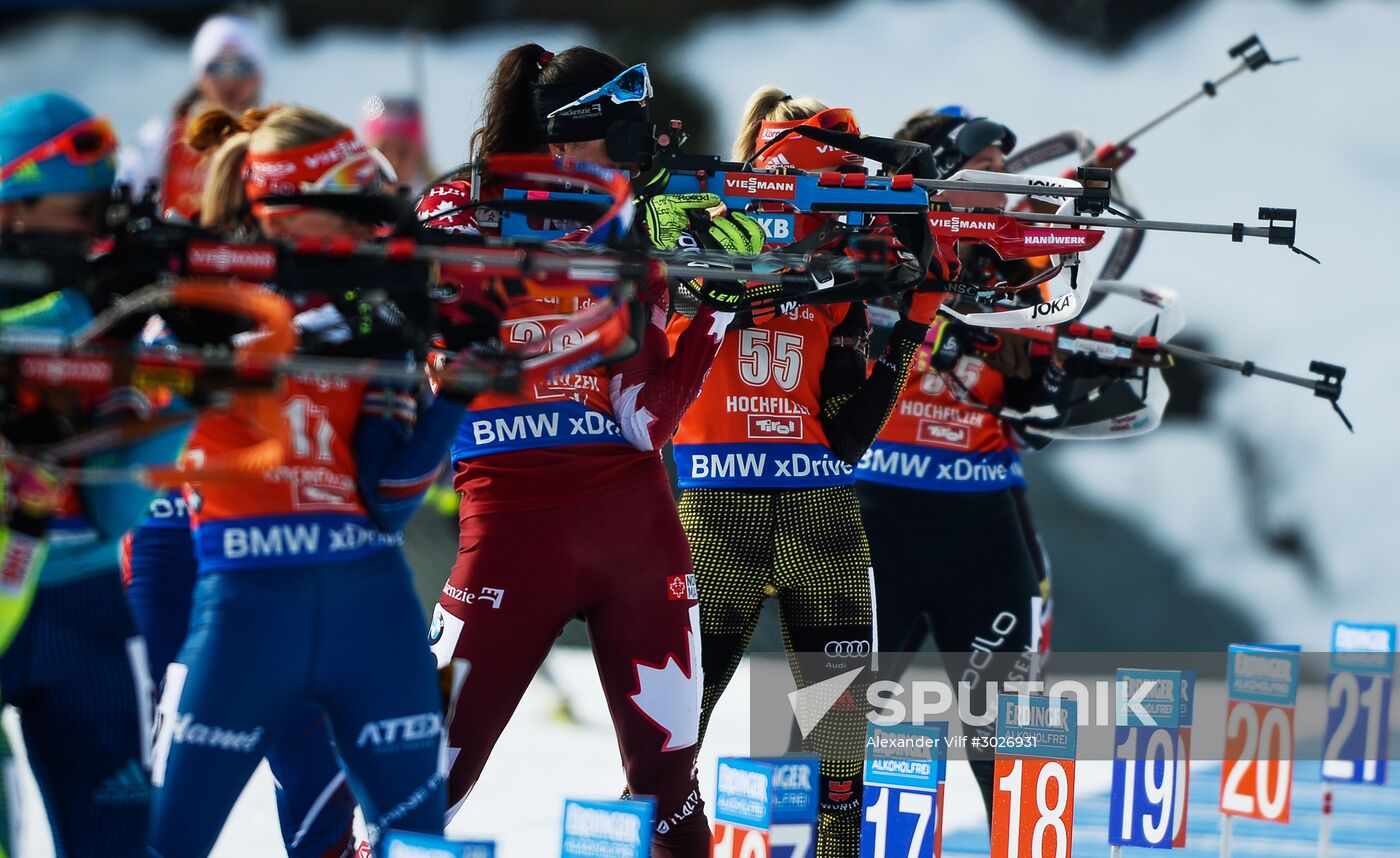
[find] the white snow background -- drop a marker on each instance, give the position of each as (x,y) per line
(1319,136)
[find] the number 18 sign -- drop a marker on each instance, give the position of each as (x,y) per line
(1142,804)
(1033,807)
(1358,703)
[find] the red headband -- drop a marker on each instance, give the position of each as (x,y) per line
(295,171)
(386,124)
(795,150)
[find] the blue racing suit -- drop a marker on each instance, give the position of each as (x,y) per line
(77,669)
(302,619)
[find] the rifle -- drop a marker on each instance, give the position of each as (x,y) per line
(785,200)
(1137,356)
(1252,56)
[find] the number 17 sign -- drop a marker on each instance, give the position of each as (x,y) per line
(903,768)
(1033,807)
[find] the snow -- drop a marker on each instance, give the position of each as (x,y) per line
(1317,135)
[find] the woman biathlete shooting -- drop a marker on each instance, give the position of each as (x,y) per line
(289,562)
(572,516)
(765,460)
(936,486)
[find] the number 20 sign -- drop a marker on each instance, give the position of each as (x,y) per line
(1256,776)
(1142,804)
(1033,807)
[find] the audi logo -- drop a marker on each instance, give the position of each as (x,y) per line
(847,649)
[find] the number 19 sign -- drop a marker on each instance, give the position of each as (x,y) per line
(1256,776)
(1358,703)
(1142,804)
(1033,807)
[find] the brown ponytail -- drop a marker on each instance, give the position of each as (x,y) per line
(927,126)
(770,104)
(224,205)
(508,118)
(508,122)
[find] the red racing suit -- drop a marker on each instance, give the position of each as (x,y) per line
(567,512)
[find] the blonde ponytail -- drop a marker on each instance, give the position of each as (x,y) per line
(224,205)
(770,104)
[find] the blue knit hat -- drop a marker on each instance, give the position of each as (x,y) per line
(27,121)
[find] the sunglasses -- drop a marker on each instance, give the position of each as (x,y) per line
(231,68)
(369,172)
(975,135)
(837,119)
(85,143)
(634,84)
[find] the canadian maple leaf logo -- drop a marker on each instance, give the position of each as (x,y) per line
(669,695)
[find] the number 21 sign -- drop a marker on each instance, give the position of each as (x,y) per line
(1358,703)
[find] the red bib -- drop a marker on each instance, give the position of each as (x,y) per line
(756,423)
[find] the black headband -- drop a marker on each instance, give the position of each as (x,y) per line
(589,121)
(966,137)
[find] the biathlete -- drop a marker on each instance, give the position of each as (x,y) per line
(574,517)
(159,568)
(947,537)
(76,670)
(766,460)
(288,563)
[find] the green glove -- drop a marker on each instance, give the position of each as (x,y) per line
(670,216)
(738,234)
